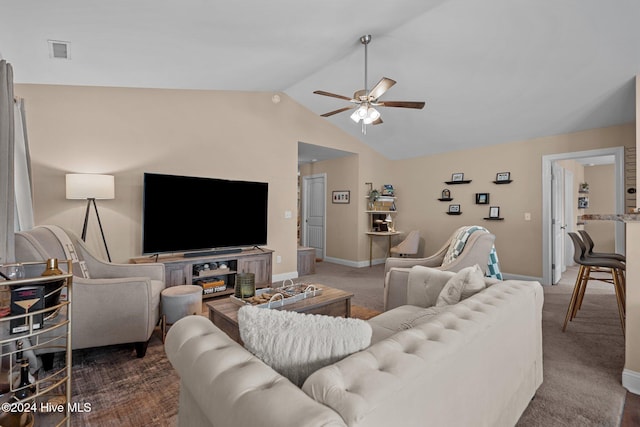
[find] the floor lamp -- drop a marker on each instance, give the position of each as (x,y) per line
(91,187)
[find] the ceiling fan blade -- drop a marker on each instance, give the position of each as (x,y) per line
(333,95)
(381,87)
(402,104)
(377,121)
(331,113)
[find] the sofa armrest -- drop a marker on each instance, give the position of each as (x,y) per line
(233,388)
(393,262)
(97,268)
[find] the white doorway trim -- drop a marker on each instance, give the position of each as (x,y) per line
(618,153)
(305,208)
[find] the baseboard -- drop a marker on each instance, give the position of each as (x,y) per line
(631,381)
(354,264)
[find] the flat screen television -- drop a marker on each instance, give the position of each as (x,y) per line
(184,213)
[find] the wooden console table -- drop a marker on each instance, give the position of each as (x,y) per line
(180,270)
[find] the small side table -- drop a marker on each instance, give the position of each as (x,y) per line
(373,234)
(178,302)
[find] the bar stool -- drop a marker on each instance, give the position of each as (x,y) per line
(588,241)
(595,264)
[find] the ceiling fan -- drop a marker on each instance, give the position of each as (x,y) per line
(365,101)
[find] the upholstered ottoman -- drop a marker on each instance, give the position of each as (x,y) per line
(178,302)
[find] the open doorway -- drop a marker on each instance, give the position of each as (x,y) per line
(558,218)
(312,194)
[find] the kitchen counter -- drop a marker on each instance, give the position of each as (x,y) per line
(634,217)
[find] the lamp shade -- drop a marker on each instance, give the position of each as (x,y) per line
(90,186)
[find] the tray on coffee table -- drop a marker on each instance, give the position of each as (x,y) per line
(279,297)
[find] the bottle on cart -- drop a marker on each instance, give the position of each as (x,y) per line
(24,387)
(15,374)
(52,268)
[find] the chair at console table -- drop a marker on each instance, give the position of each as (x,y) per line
(373,234)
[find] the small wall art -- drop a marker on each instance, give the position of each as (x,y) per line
(482,198)
(342,196)
(503,177)
(454,210)
(583,202)
(494,212)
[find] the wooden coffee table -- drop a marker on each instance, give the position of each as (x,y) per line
(331,302)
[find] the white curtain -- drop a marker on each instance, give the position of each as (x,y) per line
(22,175)
(7,189)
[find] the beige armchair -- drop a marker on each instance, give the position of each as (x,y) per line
(477,249)
(111,303)
(409,246)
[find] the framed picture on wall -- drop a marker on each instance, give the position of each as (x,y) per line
(583,202)
(342,196)
(503,176)
(482,198)
(494,212)
(454,208)
(458,176)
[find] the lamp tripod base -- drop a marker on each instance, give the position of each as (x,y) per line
(86,221)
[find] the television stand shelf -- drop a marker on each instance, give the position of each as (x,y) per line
(214,271)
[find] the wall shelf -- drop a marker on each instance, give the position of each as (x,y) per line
(493,219)
(508,181)
(453,213)
(445,199)
(457,182)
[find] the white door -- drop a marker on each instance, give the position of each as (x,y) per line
(314,213)
(557,220)
(569,219)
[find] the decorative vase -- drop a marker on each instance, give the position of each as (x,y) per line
(245,285)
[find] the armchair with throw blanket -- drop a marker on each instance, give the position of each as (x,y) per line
(467,246)
(111,303)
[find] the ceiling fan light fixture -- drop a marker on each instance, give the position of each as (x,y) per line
(360,114)
(372,116)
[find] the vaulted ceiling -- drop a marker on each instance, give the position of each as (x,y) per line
(490,71)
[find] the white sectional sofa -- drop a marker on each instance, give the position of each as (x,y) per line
(474,363)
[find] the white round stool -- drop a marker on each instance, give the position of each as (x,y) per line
(178,302)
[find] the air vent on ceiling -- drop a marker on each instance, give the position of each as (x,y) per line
(59,49)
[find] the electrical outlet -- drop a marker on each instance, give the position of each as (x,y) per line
(287,214)
(278,259)
(527,216)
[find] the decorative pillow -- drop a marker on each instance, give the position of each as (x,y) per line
(296,344)
(465,283)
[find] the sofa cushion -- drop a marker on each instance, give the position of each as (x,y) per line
(462,285)
(424,285)
(400,318)
(296,344)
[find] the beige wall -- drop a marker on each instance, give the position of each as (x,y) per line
(342,175)
(601,180)
(632,342)
(126,132)
(419,182)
